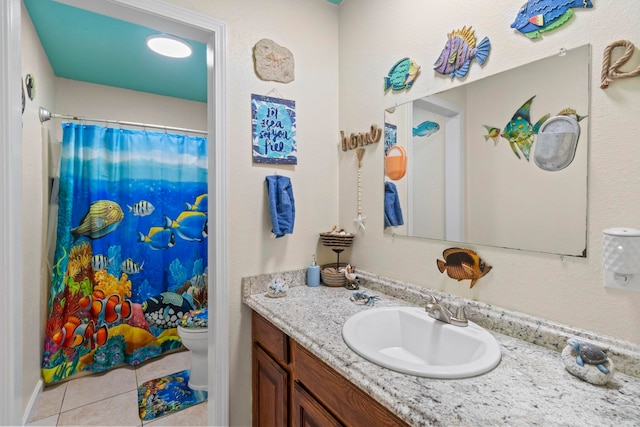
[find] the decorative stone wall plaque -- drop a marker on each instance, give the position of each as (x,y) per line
(273,62)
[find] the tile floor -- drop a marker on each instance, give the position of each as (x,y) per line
(111,398)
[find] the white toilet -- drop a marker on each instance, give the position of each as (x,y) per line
(193,332)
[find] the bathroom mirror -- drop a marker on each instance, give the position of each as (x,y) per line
(464,181)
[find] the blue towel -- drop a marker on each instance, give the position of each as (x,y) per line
(392,209)
(281,204)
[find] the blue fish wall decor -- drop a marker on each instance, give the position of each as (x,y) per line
(538,16)
(426,128)
(458,52)
(402,75)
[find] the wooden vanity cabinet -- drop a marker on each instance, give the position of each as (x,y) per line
(292,387)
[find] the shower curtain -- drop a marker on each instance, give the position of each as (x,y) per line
(131,251)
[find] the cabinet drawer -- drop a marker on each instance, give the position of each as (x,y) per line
(272,339)
(348,403)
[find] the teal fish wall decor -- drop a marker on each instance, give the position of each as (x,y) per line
(426,128)
(402,75)
(493,133)
(519,131)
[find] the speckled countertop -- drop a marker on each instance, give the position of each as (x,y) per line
(530,386)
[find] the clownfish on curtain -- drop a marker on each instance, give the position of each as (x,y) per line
(131,252)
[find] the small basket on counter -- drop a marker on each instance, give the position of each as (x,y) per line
(337,242)
(331,275)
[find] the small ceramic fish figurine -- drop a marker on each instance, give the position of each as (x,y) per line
(519,131)
(571,112)
(462,263)
(458,52)
(402,75)
(426,128)
(538,16)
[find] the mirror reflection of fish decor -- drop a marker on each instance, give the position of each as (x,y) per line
(519,131)
(458,52)
(463,264)
(538,16)
(426,128)
(493,133)
(402,75)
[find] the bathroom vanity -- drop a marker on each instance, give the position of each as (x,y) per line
(290,383)
(304,373)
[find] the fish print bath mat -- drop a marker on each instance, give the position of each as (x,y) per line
(166,395)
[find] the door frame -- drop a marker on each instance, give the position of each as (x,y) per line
(198,26)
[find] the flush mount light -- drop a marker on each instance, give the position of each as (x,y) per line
(170,46)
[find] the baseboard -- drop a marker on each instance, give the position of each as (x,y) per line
(32,401)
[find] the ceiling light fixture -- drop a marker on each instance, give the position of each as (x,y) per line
(170,46)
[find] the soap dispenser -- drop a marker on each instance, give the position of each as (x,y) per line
(313,273)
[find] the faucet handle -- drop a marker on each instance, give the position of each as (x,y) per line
(460,318)
(431,299)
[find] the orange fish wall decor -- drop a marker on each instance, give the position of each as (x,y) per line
(462,264)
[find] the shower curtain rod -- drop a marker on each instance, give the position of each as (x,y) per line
(46,115)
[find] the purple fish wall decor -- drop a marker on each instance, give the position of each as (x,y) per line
(538,16)
(458,52)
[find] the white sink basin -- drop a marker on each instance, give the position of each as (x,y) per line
(407,340)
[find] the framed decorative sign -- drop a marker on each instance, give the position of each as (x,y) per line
(274,130)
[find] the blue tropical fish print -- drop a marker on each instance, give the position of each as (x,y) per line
(103,217)
(158,238)
(189,225)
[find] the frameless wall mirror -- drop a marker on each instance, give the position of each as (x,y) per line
(501,161)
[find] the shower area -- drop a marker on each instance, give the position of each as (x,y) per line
(129,243)
(125,159)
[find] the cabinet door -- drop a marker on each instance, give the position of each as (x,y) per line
(270,395)
(307,412)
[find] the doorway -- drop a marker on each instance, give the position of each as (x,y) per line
(165,17)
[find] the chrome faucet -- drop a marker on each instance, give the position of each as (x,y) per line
(446,314)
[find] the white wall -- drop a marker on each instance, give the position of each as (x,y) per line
(564,289)
(34,201)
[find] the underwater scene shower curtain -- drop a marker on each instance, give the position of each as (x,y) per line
(131,249)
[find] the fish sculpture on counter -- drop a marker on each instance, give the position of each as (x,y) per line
(538,16)
(519,131)
(426,128)
(402,75)
(463,264)
(458,52)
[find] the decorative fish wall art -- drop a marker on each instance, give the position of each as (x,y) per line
(519,131)
(402,75)
(493,133)
(538,16)
(463,264)
(458,52)
(426,128)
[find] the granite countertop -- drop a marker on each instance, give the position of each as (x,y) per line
(530,386)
